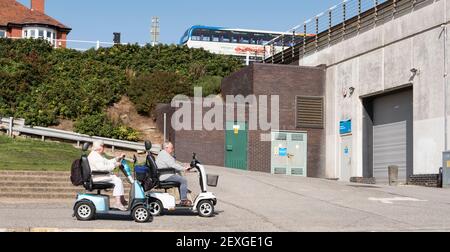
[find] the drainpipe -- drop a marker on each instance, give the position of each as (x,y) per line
(444,30)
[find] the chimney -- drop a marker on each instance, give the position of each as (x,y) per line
(38,5)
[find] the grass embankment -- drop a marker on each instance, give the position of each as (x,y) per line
(34,155)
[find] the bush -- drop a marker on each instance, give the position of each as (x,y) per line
(42,84)
(148,90)
(211,85)
(99,125)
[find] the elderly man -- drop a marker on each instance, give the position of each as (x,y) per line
(99,163)
(166,160)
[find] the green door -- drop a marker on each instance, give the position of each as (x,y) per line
(236,145)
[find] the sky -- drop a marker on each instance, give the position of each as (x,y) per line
(98,19)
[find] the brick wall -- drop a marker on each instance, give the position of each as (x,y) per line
(15,32)
(428,180)
(288,82)
(209,145)
(261,79)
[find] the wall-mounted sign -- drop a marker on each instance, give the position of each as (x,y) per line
(283,152)
(346,127)
(236,129)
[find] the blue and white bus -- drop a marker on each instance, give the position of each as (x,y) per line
(245,44)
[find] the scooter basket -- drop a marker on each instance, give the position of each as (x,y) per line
(212,180)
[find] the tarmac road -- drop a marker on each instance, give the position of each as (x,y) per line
(260,202)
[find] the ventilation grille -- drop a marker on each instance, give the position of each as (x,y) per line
(310,112)
(280,171)
(298,171)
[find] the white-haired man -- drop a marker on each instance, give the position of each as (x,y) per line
(166,160)
(99,163)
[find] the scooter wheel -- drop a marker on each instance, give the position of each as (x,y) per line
(205,208)
(84,211)
(142,215)
(156,207)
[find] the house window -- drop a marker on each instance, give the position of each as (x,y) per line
(2,34)
(41,33)
(310,112)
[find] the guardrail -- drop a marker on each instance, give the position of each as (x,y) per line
(335,25)
(12,125)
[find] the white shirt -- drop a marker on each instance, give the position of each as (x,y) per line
(98,163)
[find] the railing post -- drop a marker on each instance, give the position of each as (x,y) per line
(376,11)
(273,51)
(317,33)
(282,48)
(394,11)
(247,59)
(304,39)
(264,55)
(11,125)
(344,18)
(165,127)
(293,45)
(330,23)
(359,14)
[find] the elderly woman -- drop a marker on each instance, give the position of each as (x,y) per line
(99,163)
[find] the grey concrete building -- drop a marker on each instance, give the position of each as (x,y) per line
(388,81)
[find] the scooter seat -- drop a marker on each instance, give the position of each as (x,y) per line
(168,185)
(102,186)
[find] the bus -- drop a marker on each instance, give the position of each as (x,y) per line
(247,45)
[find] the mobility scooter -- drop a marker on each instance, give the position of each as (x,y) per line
(89,205)
(158,202)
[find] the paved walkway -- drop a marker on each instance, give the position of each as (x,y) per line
(262,202)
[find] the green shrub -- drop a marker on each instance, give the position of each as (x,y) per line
(42,84)
(211,85)
(150,89)
(100,125)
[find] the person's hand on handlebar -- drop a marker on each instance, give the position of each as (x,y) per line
(188,168)
(121,157)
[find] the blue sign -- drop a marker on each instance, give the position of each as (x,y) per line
(283,152)
(346,127)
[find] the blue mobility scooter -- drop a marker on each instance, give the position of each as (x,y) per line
(88,205)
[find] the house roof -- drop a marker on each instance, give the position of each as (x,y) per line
(14,13)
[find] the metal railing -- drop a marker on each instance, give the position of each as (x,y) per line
(11,126)
(340,22)
(79,45)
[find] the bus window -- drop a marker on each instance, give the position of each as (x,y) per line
(185,37)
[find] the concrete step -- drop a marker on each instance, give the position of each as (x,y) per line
(9,195)
(34,178)
(35,173)
(61,190)
(41,178)
(21,183)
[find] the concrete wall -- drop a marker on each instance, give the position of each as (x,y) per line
(380,60)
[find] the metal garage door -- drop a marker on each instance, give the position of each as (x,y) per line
(390,148)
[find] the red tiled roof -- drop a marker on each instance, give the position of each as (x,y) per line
(12,12)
